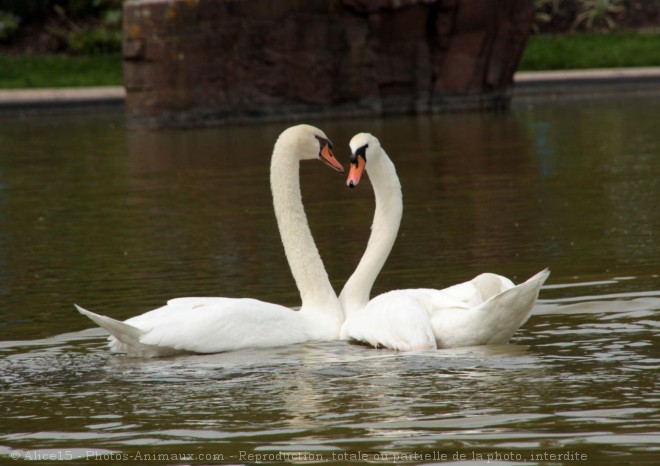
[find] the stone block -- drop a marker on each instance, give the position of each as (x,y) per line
(190,62)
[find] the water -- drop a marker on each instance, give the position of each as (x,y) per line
(119,221)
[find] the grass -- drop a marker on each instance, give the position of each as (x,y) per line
(569,51)
(580,51)
(29,71)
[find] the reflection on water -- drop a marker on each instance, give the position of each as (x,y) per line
(120,221)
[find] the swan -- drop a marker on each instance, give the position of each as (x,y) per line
(213,325)
(485,310)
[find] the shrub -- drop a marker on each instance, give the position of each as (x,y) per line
(94,41)
(31,10)
(580,15)
(8,26)
(27,9)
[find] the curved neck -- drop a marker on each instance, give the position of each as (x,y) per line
(387,218)
(304,260)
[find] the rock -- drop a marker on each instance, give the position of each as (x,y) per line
(206,62)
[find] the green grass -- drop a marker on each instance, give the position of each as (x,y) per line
(30,71)
(580,51)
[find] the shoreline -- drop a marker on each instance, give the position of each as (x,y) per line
(528,85)
(587,83)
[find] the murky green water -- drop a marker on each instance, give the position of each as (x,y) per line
(121,221)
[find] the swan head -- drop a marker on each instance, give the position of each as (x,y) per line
(361,144)
(310,143)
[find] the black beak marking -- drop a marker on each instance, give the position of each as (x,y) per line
(324,142)
(359,152)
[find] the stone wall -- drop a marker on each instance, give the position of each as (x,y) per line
(204,62)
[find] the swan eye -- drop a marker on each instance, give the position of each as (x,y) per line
(359,152)
(324,142)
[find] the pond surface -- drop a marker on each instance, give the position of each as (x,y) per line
(120,221)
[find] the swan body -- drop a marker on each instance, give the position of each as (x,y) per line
(212,325)
(485,310)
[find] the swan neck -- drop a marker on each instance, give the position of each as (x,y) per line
(384,230)
(302,255)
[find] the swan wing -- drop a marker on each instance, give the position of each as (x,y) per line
(392,320)
(228,324)
(205,325)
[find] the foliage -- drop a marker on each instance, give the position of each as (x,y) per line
(97,39)
(70,26)
(544,12)
(94,41)
(578,15)
(31,10)
(91,7)
(597,14)
(27,9)
(8,26)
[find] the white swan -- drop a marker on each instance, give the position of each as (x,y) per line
(486,310)
(211,325)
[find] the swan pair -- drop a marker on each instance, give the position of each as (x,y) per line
(486,310)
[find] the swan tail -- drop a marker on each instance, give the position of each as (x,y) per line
(513,307)
(540,278)
(492,322)
(126,338)
(121,331)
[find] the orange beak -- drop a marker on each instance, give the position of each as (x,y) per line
(355,173)
(328,157)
